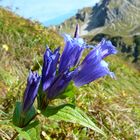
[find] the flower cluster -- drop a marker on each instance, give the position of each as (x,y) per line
(58,71)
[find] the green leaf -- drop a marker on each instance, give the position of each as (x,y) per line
(16,114)
(30,132)
(22,133)
(53,110)
(31,125)
(69,113)
(29,115)
(33,130)
(68,92)
(20,119)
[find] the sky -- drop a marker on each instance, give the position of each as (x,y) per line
(48,12)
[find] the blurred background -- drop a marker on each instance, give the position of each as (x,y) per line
(26,27)
(45,11)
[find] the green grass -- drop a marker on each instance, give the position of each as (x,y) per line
(114,103)
(26,41)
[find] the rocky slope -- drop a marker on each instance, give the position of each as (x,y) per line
(121,17)
(116,19)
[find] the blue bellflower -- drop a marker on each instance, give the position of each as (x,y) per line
(93,67)
(72,52)
(31,90)
(59,84)
(89,73)
(49,67)
(106,48)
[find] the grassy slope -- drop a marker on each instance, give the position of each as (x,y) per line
(114,103)
(25,41)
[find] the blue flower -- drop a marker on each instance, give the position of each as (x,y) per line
(72,52)
(106,48)
(49,67)
(31,91)
(59,84)
(93,67)
(89,73)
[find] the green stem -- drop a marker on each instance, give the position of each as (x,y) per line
(44,104)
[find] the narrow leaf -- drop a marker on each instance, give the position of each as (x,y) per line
(22,120)
(72,114)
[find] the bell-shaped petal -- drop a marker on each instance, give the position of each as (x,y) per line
(59,84)
(93,67)
(31,91)
(102,50)
(49,67)
(93,58)
(91,71)
(72,52)
(106,48)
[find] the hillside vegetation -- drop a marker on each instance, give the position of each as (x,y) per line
(22,43)
(112,104)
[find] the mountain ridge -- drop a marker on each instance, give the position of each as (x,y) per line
(108,15)
(117,20)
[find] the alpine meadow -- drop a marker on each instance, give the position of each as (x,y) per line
(79,80)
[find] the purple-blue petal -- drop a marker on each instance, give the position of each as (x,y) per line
(49,67)
(93,67)
(106,48)
(88,73)
(91,60)
(59,84)
(72,53)
(31,90)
